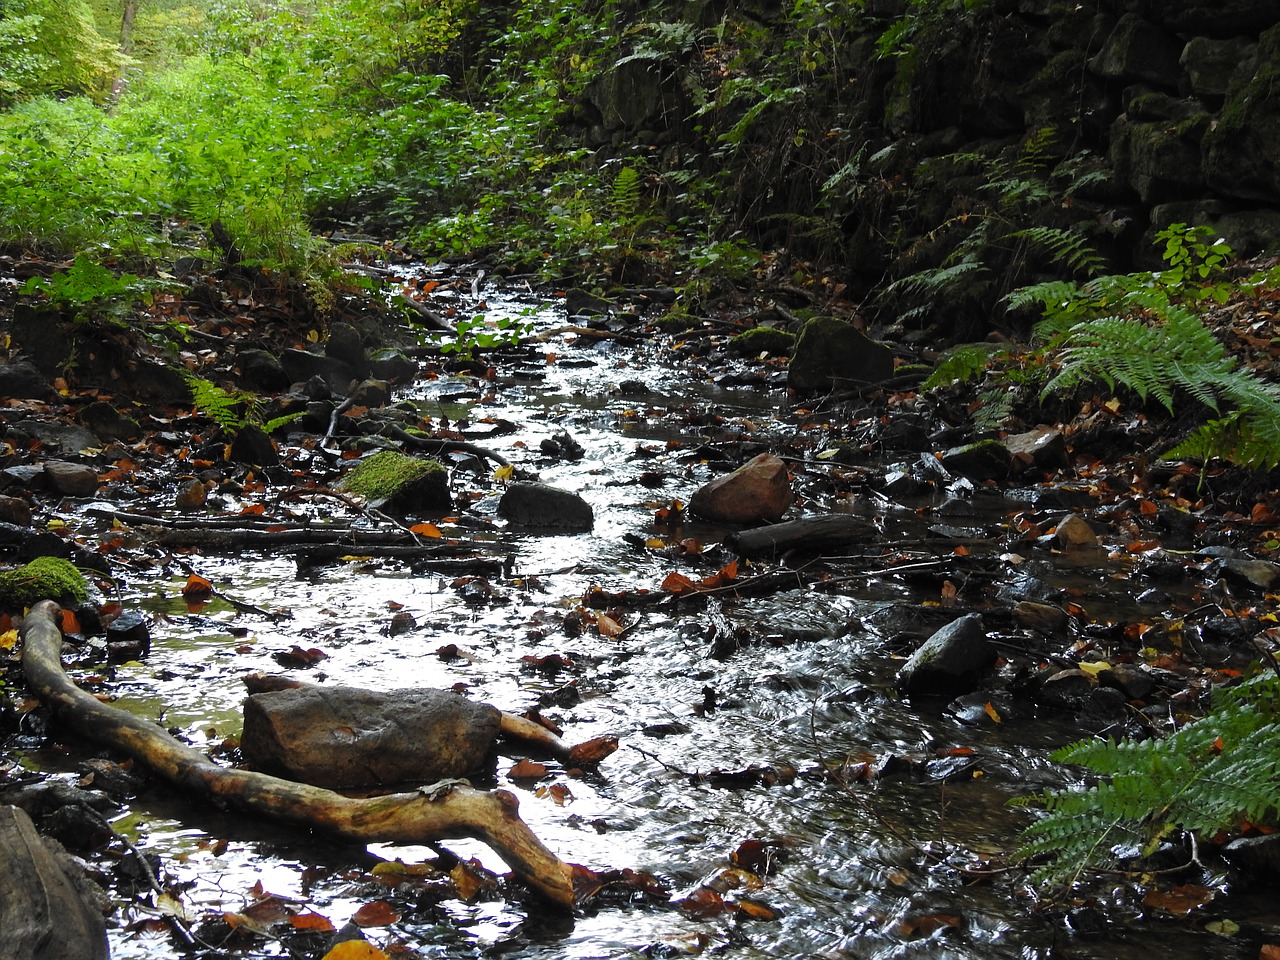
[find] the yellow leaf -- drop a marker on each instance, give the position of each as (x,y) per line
(655,543)
(56,524)
(1113,405)
(313,336)
(504,473)
(992,712)
(355,950)
(8,639)
(1095,668)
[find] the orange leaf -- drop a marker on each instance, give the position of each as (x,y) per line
(1179,901)
(355,950)
(1269,951)
(608,626)
(426,530)
(678,583)
(254,509)
(992,712)
(376,913)
(311,920)
(70,622)
(196,585)
(527,769)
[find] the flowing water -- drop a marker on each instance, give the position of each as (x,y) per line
(854,869)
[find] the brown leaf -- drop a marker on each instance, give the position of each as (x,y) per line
(1269,951)
(704,903)
(1179,901)
(592,751)
(196,586)
(310,920)
(296,656)
(757,910)
(608,626)
(375,913)
(527,769)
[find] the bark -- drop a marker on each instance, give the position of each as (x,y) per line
(412,818)
(812,535)
(45,913)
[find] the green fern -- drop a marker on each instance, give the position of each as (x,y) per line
(1063,246)
(229,409)
(625,193)
(1211,775)
(962,363)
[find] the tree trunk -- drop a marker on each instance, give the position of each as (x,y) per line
(411,818)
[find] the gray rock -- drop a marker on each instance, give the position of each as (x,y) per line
(344,343)
(252,446)
(22,380)
(538,506)
(1256,855)
(1044,448)
(1138,49)
(302,365)
(984,460)
(387,363)
(350,737)
(59,437)
(951,661)
(1240,151)
(1258,573)
(105,420)
(261,370)
(831,354)
(16,511)
(1212,64)
(372,393)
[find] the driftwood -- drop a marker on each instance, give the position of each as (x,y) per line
(427,815)
(46,909)
(811,535)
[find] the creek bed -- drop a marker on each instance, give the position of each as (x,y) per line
(856,869)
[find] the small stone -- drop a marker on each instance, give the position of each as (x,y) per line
(1074,533)
(758,491)
(261,370)
(371,393)
(1066,689)
(1044,617)
(191,495)
(15,511)
(344,343)
(1133,681)
(1259,573)
(252,446)
(71,479)
(1043,448)
(984,460)
(104,420)
(24,381)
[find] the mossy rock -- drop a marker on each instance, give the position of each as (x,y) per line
(752,343)
(677,321)
(44,578)
(395,481)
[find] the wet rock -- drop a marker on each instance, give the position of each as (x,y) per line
(1131,680)
(15,511)
(58,437)
(951,661)
(984,460)
(758,491)
(399,483)
(976,709)
(22,380)
(372,393)
(104,420)
(578,302)
(762,340)
(1066,689)
(561,446)
(1104,708)
(154,382)
(71,479)
(302,365)
(349,737)
(1074,533)
(191,494)
(1043,449)
(1259,856)
(1043,617)
(344,343)
(261,370)
(388,363)
(809,535)
(831,354)
(252,446)
(538,506)
(1258,573)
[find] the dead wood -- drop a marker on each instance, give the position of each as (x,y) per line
(811,535)
(47,909)
(425,816)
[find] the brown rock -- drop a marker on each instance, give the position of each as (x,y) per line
(191,495)
(71,479)
(16,511)
(1074,533)
(759,490)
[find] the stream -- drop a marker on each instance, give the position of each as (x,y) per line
(725,755)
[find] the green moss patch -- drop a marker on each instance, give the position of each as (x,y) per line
(776,343)
(45,578)
(396,479)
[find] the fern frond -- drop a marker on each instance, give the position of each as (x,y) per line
(229,409)
(962,363)
(625,193)
(1064,246)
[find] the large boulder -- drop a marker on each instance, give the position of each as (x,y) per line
(832,354)
(537,506)
(1240,151)
(351,737)
(758,491)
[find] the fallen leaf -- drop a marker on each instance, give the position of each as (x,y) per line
(608,626)
(426,530)
(376,913)
(355,950)
(310,920)
(504,473)
(70,622)
(8,639)
(196,586)
(1179,901)
(992,712)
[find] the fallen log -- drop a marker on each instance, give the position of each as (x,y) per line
(810,535)
(47,909)
(446,811)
